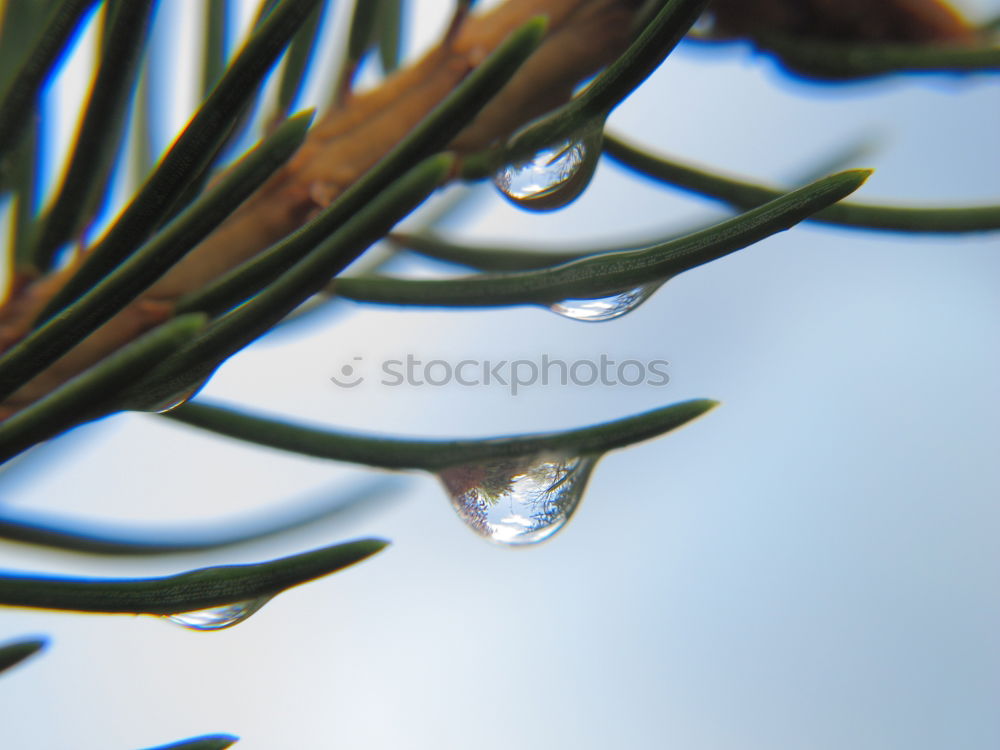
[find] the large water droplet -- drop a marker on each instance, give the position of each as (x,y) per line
(216,618)
(518,501)
(605,308)
(554,177)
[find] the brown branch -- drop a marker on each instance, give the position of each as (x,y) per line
(583,36)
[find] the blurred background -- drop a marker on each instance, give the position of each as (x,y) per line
(813,564)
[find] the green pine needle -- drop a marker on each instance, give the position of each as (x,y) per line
(432,455)
(14,653)
(185,592)
(744,195)
(610,273)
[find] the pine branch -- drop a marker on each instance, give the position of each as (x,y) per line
(582,36)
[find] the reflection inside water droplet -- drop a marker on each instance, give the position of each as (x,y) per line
(518,501)
(544,172)
(216,618)
(553,177)
(605,308)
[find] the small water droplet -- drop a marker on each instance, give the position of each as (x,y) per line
(518,501)
(171,402)
(554,177)
(605,308)
(216,618)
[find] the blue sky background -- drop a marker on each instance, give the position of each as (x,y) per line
(814,564)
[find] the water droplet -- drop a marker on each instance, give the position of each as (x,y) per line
(162,405)
(216,618)
(518,501)
(605,308)
(554,177)
(170,404)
